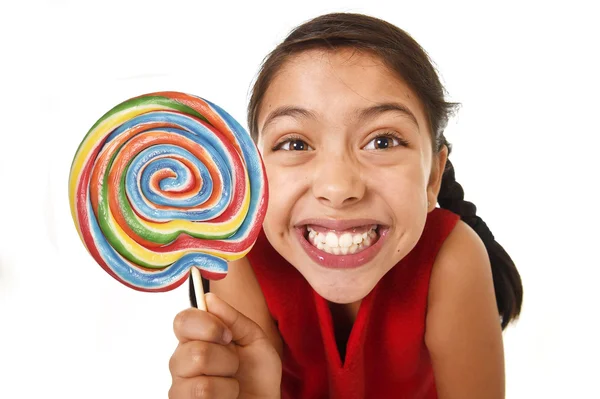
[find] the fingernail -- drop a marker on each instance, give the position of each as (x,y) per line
(227,335)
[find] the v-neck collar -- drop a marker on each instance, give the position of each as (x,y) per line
(357,333)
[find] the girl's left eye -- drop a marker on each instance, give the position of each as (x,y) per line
(385,141)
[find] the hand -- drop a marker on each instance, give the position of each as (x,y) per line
(222,354)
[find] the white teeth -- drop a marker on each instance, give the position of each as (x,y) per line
(347,243)
(345,240)
(331,239)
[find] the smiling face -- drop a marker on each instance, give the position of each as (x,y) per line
(347,150)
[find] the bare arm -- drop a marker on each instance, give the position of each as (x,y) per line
(241,290)
(463,332)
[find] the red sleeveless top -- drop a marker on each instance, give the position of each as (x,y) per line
(386,356)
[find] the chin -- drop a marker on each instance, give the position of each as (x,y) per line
(342,286)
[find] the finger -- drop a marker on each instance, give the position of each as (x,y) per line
(196,325)
(195,358)
(204,387)
(244,330)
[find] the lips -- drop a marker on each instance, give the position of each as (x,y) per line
(350,260)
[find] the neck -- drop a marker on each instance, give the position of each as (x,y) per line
(345,311)
(343,317)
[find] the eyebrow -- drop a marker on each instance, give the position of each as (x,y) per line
(294,112)
(376,110)
(366,113)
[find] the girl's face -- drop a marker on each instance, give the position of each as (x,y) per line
(347,150)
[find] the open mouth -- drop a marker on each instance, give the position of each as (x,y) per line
(341,247)
(351,241)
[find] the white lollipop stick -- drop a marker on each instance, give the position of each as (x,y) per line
(198,289)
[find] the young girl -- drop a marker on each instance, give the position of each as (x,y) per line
(358,286)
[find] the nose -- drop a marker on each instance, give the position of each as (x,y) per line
(337,181)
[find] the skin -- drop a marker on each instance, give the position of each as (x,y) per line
(338,177)
(222,354)
(343,176)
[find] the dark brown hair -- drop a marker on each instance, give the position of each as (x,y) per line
(403,55)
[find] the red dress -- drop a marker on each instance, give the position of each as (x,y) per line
(386,356)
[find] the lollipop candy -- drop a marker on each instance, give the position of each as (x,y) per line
(164,182)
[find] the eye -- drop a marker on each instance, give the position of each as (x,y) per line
(385,141)
(292,144)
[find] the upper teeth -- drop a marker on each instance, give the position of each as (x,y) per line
(344,240)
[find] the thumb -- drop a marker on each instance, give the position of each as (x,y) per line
(245,331)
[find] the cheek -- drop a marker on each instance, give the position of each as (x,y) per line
(286,185)
(400,185)
(406,196)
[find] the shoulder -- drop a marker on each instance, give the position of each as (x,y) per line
(462,252)
(439,226)
(461,275)
(463,332)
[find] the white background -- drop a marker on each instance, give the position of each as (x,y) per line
(526,140)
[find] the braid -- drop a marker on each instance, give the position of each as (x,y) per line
(507,282)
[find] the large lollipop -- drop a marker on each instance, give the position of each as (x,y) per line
(165,182)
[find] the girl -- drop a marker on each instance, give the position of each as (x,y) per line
(358,286)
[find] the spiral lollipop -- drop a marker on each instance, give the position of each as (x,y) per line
(164,182)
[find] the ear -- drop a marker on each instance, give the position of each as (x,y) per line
(438,165)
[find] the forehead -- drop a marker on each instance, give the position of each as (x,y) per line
(336,83)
